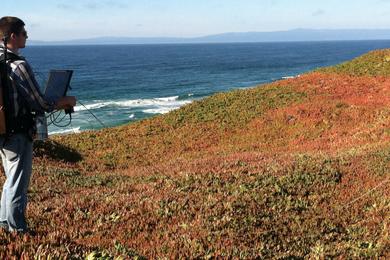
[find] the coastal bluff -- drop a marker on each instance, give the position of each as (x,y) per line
(295,168)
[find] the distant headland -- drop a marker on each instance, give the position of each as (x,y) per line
(240,37)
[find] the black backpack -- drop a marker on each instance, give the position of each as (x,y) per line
(24,122)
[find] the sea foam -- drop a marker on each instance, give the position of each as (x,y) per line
(153,105)
(66,131)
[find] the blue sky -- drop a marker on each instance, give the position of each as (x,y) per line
(71,19)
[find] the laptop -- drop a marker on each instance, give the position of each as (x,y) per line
(57,84)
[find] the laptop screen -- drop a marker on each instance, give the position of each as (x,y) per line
(57,85)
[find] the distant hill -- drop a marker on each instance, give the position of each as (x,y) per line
(277,36)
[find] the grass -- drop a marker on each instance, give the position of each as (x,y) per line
(281,170)
(374,63)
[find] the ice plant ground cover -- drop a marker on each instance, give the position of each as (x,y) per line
(295,168)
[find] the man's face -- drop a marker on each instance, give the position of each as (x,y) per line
(20,39)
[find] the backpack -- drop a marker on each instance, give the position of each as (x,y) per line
(9,123)
(3,128)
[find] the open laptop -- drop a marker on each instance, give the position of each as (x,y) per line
(57,84)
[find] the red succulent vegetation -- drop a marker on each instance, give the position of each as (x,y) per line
(295,168)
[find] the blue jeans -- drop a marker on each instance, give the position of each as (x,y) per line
(16,155)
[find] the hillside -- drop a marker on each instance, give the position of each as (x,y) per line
(375,63)
(295,168)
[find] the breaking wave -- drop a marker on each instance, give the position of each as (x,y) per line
(153,105)
(291,77)
(66,131)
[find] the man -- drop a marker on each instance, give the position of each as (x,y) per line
(23,99)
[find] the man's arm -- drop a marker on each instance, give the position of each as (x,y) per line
(29,89)
(65,103)
(26,85)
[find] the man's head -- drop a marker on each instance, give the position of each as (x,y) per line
(12,29)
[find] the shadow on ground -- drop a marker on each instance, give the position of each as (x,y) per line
(56,151)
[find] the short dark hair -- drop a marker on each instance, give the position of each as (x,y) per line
(9,25)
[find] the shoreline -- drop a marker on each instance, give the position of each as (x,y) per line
(153,112)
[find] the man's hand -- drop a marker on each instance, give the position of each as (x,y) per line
(65,103)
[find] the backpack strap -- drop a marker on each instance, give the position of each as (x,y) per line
(10,56)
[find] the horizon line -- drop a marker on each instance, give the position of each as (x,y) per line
(207,35)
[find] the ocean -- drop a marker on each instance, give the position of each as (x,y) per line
(121,84)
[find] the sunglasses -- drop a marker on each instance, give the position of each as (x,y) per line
(24,33)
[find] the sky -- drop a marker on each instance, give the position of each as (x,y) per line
(80,19)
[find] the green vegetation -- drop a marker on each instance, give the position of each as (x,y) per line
(235,108)
(374,63)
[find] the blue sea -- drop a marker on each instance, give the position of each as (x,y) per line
(121,84)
